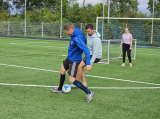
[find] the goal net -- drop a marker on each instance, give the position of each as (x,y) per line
(111,50)
(145,30)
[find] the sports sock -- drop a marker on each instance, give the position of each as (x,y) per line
(62,79)
(81,86)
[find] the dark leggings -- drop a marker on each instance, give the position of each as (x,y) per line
(126,48)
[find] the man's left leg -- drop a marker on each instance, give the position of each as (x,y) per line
(89,94)
(80,70)
(73,68)
(83,73)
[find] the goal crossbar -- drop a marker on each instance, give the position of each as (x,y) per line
(122,18)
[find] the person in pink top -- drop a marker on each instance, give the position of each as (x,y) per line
(126,44)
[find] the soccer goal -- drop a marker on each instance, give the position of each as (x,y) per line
(111,50)
(111,30)
(145,30)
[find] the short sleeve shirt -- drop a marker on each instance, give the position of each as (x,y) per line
(126,38)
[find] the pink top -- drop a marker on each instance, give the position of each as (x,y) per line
(127,38)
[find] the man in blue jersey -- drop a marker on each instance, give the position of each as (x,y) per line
(75,50)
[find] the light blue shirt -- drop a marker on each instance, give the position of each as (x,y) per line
(95,46)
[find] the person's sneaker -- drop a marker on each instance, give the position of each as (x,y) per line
(130,65)
(86,86)
(123,65)
(89,96)
(55,90)
(74,86)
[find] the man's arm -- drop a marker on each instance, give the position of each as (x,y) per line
(83,47)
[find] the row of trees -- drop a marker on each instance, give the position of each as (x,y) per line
(50,10)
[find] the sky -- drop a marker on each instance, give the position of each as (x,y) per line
(142,4)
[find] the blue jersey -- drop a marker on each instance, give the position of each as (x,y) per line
(77,46)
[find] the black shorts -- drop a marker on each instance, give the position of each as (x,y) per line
(96,60)
(72,66)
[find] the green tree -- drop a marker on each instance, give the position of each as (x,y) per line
(50,10)
(30,4)
(42,10)
(50,3)
(5,6)
(90,16)
(123,7)
(73,12)
(3,15)
(156,7)
(83,13)
(98,9)
(65,9)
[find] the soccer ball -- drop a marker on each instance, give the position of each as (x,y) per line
(66,88)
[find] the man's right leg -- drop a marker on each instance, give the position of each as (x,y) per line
(80,70)
(83,78)
(62,79)
(64,68)
(80,74)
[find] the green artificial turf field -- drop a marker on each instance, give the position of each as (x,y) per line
(28,69)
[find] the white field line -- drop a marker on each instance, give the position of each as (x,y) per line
(63,55)
(158,48)
(148,54)
(124,87)
(122,80)
(85,75)
(136,53)
(4,38)
(45,42)
(36,42)
(29,68)
(36,45)
(45,86)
